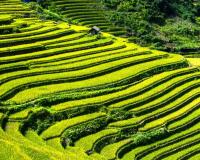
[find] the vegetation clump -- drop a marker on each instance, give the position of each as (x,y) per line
(142,138)
(163,24)
(46,11)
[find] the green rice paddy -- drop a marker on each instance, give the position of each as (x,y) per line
(68,95)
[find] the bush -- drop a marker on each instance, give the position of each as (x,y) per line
(46,11)
(181,27)
(143,138)
(37,121)
(76,132)
(118,114)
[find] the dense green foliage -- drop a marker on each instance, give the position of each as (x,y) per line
(156,10)
(45,10)
(154,22)
(170,25)
(148,137)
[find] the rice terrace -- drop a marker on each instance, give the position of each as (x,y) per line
(100,80)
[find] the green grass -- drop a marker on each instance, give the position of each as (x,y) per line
(160,112)
(58,128)
(81,55)
(197,156)
(11,151)
(85,63)
(173,83)
(55,143)
(172,91)
(61,57)
(56,51)
(194,61)
(14,141)
(71,43)
(5,19)
(147,152)
(186,108)
(10,37)
(110,151)
(82,80)
(21,115)
(105,78)
(34,38)
(84,74)
(32,27)
(182,153)
(11,51)
(86,143)
(176,147)
(184,120)
(96,156)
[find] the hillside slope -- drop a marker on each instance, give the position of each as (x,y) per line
(84,12)
(169,25)
(67,95)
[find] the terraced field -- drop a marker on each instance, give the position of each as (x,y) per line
(67,95)
(88,13)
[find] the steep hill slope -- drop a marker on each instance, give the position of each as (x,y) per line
(85,12)
(167,25)
(67,95)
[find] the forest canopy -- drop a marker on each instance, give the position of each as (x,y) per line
(152,22)
(155,9)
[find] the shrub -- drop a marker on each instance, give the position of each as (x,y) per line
(76,132)
(143,138)
(118,114)
(49,13)
(37,121)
